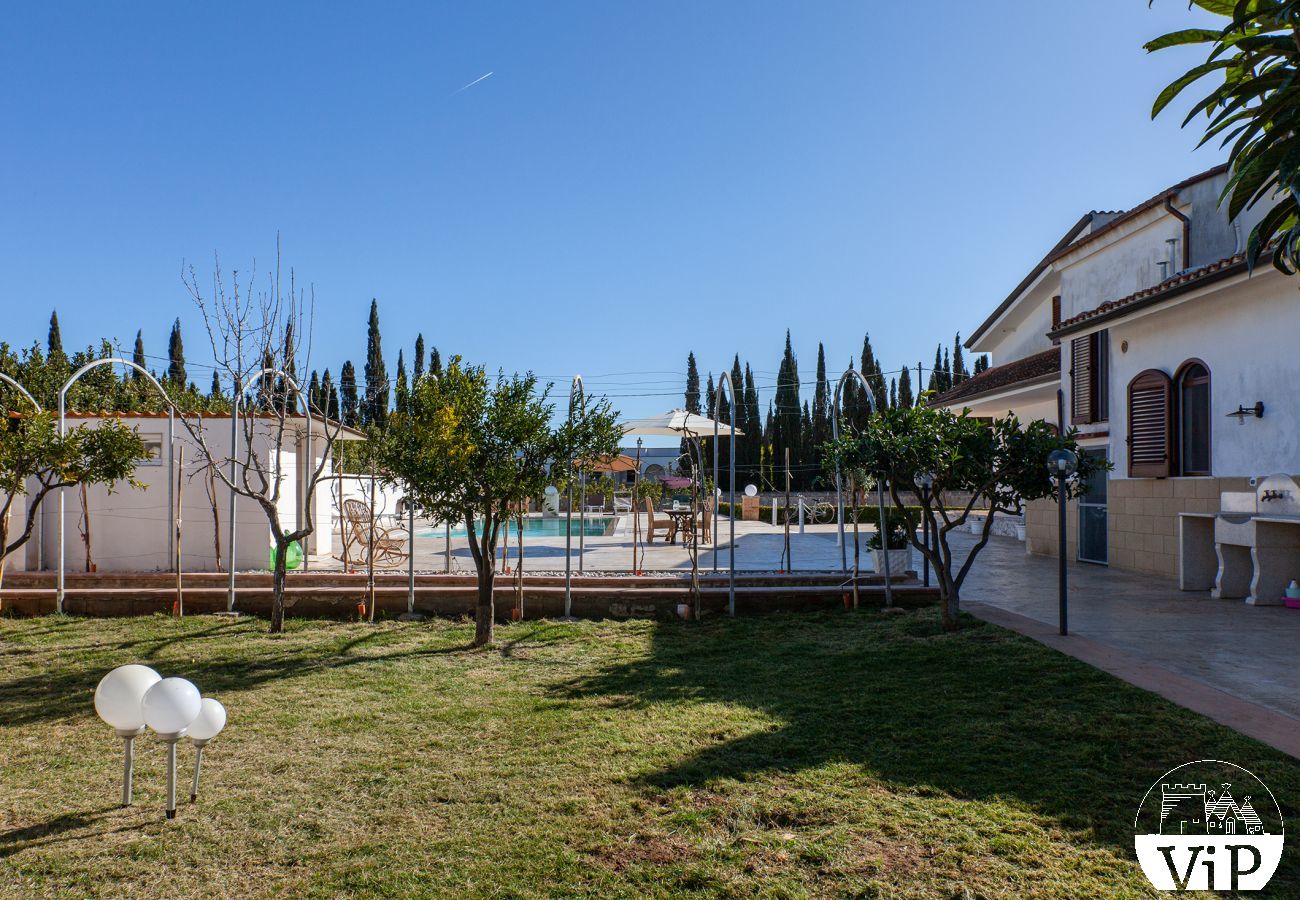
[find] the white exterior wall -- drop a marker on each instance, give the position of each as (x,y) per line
(1022,330)
(129,528)
(1117,268)
(1245,331)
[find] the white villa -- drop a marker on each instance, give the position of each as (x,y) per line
(130,529)
(1164,347)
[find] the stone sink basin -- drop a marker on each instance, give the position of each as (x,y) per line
(1235,528)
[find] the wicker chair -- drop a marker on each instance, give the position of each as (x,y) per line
(390,551)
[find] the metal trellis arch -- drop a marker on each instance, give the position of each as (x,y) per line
(882,526)
(171,459)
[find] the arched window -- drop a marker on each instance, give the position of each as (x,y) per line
(1192,389)
(1149,431)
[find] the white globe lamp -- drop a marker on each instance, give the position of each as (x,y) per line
(169,708)
(118,699)
(171,705)
(212,718)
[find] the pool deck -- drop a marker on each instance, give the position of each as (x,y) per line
(759,547)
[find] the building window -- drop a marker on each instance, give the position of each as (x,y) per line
(1090,378)
(1149,431)
(153,450)
(1193,391)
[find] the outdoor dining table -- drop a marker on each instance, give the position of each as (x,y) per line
(685,519)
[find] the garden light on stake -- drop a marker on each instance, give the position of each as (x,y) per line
(1061,464)
(212,718)
(169,708)
(117,702)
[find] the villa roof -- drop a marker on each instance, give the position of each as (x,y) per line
(1170,287)
(1158,199)
(1000,378)
(1067,240)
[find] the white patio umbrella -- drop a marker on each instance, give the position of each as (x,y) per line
(679,422)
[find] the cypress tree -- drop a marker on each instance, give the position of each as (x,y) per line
(54,341)
(348,392)
(820,425)
(214,393)
(314,401)
(947,370)
(905,398)
(788,431)
(753,427)
(893,392)
(375,409)
(936,374)
(435,363)
(329,397)
(137,357)
(981,363)
(417,368)
(692,406)
(176,354)
(959,372)
(403,391)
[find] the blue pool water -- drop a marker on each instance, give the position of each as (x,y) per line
(535,526)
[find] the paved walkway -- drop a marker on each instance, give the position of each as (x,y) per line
(1135,625)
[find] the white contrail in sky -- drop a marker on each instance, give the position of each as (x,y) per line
(471,84)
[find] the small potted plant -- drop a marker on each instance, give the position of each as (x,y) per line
(900,547)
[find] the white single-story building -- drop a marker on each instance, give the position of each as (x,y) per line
(130,529)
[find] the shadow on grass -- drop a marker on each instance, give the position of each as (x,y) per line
(55,831)
(67,688)
(982,715)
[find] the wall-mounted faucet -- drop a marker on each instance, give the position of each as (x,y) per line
(1273,495)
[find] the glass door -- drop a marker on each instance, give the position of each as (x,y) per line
(1092,515)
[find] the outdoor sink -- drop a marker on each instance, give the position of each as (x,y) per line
(1257,541)
(1235,518)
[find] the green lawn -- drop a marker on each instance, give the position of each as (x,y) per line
(814,754)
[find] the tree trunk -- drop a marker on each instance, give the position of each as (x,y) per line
(277,592)
(483,614)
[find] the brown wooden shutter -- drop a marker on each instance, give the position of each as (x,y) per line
(1081,373)
(1150,426)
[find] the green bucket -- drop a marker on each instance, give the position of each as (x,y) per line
(293,559)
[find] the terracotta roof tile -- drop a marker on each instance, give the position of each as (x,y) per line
(1221,268)
(1002,377)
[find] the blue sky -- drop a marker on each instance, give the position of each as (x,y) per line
(634,181)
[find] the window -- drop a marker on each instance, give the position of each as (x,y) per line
(1149,431)
(153,450)
(1089,378)
(1193,391)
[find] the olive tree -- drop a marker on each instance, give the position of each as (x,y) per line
(35,461)
(974,464)
(469,448)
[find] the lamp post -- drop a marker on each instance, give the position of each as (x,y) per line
(212,718)
(117,701)
(924,485)
(1061,464)
(170,708)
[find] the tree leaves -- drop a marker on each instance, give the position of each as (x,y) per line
(1255,110)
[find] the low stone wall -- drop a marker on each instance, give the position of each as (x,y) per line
(1141,520)
(336,595)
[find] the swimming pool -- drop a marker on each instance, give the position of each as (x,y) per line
(536,526)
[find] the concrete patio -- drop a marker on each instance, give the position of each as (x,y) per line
(1140,627)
